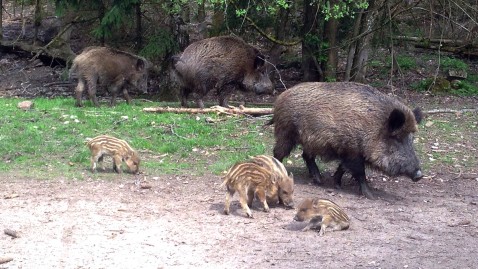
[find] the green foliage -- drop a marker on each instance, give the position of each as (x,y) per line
(452,63)
(56,131)
(460,88)
(342,9)
(464,88)
(159,45)
(406,62)
(422,86)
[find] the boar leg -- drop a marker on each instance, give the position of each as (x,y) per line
(184,93)
(250,197)
(314,172)
(117,160)
(338,176)
(114,91)
(285,142)
(126,96)
(80,88)
(92,91)
(314,223)
(229,194)
(357,168)
(243,202)
(261,195)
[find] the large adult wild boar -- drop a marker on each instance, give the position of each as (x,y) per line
(111,68)
(217,62)
(349,122)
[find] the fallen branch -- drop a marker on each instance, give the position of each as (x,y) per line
(448,110)
(241,110)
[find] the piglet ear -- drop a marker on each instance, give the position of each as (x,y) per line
(396,120)
(315,202)
(417,112)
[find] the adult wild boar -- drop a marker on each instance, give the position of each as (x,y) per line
(111,68)
(216,62)
(350,122)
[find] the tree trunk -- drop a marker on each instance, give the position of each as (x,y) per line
(352,47)
(1,20)
(330,66)
(139,28)
(101,15)
(201,17)
(310,65)
(362,48)
(37,20)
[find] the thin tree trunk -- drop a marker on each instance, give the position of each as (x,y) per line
(330,67)
(352,46)
(310,66)
(1,20)
(101,15)
(37,20)
(201,11)
(139,28)
(362,49)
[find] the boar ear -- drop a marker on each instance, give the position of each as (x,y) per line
(396,120)
(259,60)
(417,112)
(140,65)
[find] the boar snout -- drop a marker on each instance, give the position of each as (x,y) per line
(264,85)
(417,176)
(290,206)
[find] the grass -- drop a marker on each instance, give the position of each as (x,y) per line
(49,140)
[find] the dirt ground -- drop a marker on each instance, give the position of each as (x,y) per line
(178,223)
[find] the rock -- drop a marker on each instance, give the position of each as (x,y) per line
(25,105)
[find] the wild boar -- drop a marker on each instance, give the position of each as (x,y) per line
(120,150)
(249,180)
(285,182)
(217,62)
(322,214)
(349,122)
(111,68)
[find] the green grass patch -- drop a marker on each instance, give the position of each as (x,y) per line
(49,140)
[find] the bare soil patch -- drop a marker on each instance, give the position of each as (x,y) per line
(178,223)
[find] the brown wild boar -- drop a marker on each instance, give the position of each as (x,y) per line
(111,68)
(217,62)
(322,214)
(249,180)
(285,182)
(120,150)
(349,122)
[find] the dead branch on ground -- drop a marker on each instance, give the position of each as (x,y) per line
(448,110)
(241,110)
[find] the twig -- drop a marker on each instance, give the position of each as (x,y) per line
(174,133)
